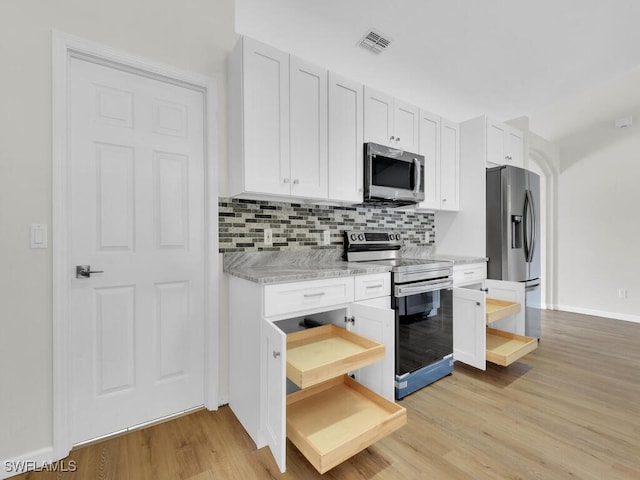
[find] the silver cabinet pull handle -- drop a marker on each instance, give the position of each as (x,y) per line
(311,295)
(375,286)
(285,180)
(276,354)
(84,271)
(296,181)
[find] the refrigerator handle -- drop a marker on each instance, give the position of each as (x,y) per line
(530,219)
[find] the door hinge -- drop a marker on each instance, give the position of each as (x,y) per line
(351,320)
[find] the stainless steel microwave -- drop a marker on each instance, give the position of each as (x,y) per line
(392,177)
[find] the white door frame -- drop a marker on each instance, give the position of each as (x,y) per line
(65,47)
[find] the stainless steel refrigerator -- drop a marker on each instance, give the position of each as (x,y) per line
(513,235)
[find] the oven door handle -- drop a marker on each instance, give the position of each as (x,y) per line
(422,287)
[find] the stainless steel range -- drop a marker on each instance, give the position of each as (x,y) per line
(423,304)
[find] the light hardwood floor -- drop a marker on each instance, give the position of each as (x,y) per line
(571,409)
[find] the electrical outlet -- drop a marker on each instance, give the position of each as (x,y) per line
(268,237)
(622,293)
(427,238)
(326,237)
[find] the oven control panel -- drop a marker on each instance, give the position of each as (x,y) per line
(372,237)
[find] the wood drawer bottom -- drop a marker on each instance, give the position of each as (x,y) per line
(333,421)
(504,348)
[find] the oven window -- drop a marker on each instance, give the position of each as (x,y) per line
(424,333)
(392,173)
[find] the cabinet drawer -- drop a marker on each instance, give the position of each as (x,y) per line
(305,296)
(504,348)
(499,309)
(465,274)
(321,353)
(333,421)
(372,286)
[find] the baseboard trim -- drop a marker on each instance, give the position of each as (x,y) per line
(30,461)
(600,313)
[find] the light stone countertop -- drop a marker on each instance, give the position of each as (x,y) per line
(293,266)
(458,259)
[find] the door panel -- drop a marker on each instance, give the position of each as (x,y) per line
(469,327)
(136,190)
(377,324)
(274,388)
(266,118)
(378,117)
(345,139)
(308,104)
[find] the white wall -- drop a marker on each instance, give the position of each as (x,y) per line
(599,196)
(195,35)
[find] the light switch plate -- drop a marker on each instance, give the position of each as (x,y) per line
(39,235)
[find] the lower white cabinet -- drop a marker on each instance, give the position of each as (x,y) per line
(290,381)
(488,321)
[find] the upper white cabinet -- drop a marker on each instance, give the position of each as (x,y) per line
(449,165)
(389,121)
(505,145)
(308,129)
(258,119)
(439,142)
(346,151)
(277,124)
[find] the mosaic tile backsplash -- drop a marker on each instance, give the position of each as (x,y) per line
(300,226)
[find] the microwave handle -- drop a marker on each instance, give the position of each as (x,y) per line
(416,175)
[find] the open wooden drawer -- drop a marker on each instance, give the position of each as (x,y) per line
(321,353)
(334,420)
(504,348)
(499,309)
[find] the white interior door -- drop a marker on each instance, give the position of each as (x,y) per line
(136,171)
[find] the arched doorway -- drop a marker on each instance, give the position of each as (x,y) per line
(539,162)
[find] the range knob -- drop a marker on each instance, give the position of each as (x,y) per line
(354,237)
(361,237)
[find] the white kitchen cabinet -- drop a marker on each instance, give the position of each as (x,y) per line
(449,165)
(488,320)
(277,124)
(505,145)
(308,130)
(389,121)
(440,145)
(258,119)
(468,274)
(259,366)
(346,130)
(376,320)
(429,147)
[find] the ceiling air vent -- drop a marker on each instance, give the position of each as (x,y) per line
(374,42)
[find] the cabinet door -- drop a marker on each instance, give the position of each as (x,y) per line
(377,324)
(378,117)
(405,126)
(266,118)
(512,292)
(469,327)
(308,130)
(346,132)
(274,391)
(495,143)
(429,146)
(449,165)
(515,148)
